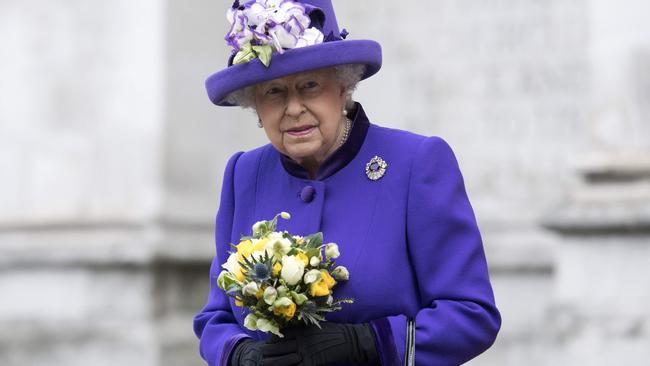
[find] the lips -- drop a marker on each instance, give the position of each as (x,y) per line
(301,130)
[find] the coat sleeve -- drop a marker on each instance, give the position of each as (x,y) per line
(215,325)
(458,318)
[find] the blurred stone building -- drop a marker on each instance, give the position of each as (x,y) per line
(111,159)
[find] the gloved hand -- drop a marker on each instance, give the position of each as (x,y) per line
(246,353)
(249,353)
(354,343)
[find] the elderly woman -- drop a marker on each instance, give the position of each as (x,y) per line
(393,200)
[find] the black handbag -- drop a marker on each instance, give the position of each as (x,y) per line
(409,349)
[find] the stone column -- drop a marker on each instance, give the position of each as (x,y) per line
(600,313)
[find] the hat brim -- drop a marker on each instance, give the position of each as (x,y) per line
(292,61)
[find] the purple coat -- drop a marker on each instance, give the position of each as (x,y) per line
(410,241)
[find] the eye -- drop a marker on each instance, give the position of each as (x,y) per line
(273,90)
(310,84)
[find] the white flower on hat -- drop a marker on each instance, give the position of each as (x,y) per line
(310,37)
(260,26)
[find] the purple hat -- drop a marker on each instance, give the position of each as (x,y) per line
(275,38)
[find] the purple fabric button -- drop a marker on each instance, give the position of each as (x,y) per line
(307,194)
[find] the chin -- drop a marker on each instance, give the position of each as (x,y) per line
(300,153)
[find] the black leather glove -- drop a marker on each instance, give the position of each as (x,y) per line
(354,343)
(248,353)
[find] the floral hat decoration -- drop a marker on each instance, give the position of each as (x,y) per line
(275,38)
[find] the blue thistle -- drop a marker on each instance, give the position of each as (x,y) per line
(261,272)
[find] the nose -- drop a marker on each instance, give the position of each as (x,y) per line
(295,105)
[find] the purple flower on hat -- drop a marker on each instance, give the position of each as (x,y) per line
(268,25)
(239,33)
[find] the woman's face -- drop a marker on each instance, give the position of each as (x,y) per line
(302,114)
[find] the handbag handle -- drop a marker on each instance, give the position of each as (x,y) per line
(409,349)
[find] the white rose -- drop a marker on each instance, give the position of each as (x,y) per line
(270,294)
(311,276)
(225,278)
(330,300)
(279,247)
(332,251)
(251,322)
(292,270)
(257,227)
(341,273)
(314,261)
(250,289)
(266,325)
(282,291)
(232,264)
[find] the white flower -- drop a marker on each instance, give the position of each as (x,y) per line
(292,269)
(232,264)
(250,289)
(258,226)
(270,294)
(282,38)
(332,251)
(259,254)
(282,291)
(285,215)
(250,321)
(273,3)
(310,37)
(256,14)
(299,299)
(311,276)
(225,279)
(266,325)
(281,302)
(314,261)
(279,247)
(341,273)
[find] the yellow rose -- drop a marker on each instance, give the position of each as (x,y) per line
(260,244)
(240,275)
(277,268)
(286,311)
(260,293)
(329,281)
(244,249)
(319,288)
(303,258)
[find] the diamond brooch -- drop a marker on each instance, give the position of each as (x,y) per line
(376,168)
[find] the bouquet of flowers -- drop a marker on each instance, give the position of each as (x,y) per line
(282,279)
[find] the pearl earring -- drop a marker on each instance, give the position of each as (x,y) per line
(259,123)
(345,112)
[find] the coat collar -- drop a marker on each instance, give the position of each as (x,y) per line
(339,158)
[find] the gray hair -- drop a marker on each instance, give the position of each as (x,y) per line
(347,75)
